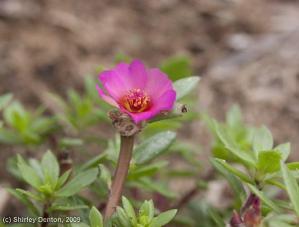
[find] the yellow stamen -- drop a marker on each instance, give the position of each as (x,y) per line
(136,101)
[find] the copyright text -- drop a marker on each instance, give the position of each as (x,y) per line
(33,220)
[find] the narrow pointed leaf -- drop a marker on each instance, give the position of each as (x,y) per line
(292,187)
(177,67)
(63,178)
(234,171)
(153,146)
(163,218)
(50,168)
(95,218)
(80,181)
(4,100)
(129,210)
(262,140)
(231,145)
(234,182)
(122,217)
(234,116)
(25,200)
(28,173)
(284,150)
(184,86)
(264,198)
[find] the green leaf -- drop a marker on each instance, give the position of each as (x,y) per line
(28,173)
(82,224)
(30,138)
(95,218)
(63,178)
(46,189)
(129,210)
(147,209)
(29,194)
(234,116)
(153,146)
(50,168)
(70,142)
(264,198)
(155,186)
(282,220)
(177,67)
(161,126)
(94,162)
(121,57)
(145,170)
(89,83)
(4,100)
(292,187)
(216,217)
(184,86)
(43,125)
(232,170)
(16,116)
(67,207)
(163,218)
(105,175)
(9,137)
(231,178)
(262,140)
(278,223)
(268,161)
(284,150)
(12,167)
(293,165)
(69,204)
(80,181)
(275,183)
(123,217)
(231,145)
(36,165)
(112,150)
(25,200)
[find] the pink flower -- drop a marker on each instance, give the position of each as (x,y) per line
(138,91)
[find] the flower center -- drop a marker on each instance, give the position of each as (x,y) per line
(136,101)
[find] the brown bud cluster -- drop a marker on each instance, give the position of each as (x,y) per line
(123,123)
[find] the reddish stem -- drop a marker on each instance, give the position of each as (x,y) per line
(123,164)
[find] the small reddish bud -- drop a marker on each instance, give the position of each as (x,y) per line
(236,220)
(252,217)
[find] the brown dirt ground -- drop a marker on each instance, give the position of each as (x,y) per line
(245,51)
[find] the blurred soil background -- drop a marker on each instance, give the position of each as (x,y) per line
(246,52)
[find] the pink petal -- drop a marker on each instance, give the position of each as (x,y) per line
(132,75)
(106,98)
(113,84)
(158,83)
(143,116)
(138,74)
(122,69)
(166,101)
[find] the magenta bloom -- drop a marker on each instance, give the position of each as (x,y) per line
(140,92)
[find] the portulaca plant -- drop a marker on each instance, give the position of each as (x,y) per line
(110,157)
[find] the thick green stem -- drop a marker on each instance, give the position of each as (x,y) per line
(123,164)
